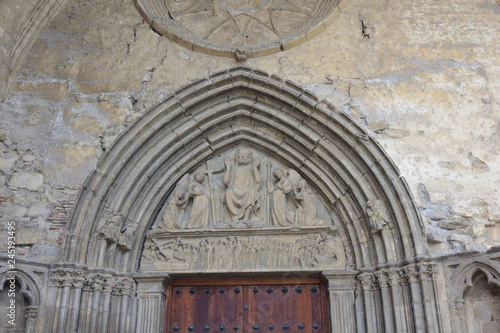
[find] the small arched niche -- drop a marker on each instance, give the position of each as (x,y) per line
(20,300)
(482,304)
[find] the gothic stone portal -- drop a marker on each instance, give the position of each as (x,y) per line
(242,212)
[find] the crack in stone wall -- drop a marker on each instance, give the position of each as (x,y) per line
(430,101)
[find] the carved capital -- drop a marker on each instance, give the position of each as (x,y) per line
(411,272)
(460,308)
(57,281)
(108,286)
(30,315)
(427,272)
(382,279)
(87,286)
(123,287)
(67,277)
(94,282)
(340,281)
(367,281)
(394,276)
(78,283)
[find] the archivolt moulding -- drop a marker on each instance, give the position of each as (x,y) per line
(356,180)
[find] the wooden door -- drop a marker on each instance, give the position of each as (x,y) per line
(247,306)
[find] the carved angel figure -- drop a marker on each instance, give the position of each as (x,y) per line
(379,219)
(243,180)
(280,190)
(200,210)
(110,231)
(306,211)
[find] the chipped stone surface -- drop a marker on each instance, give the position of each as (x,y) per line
(427,92)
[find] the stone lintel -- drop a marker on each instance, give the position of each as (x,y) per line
(166,234)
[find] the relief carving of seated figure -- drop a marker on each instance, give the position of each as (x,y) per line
(306,210)
(174,215)
(243,181)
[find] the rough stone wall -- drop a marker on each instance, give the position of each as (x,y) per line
(12,17)
(422,76)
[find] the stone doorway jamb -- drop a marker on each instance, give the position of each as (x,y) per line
(341,286)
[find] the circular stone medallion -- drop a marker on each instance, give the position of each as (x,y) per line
(242,6)
(245,28)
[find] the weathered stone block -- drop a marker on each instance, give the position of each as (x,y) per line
(6,164)
(44,252)
(459,238)
(38,210)
(453,224)
(28,236)
(433,237)
(29,180)
(14,211)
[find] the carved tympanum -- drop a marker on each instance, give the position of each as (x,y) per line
(238,186)
(230,221)
(174,214)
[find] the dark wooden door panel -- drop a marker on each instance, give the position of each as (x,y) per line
(247,306)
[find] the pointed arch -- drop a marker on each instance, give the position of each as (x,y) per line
(246,106)
(28,284)
(463,276)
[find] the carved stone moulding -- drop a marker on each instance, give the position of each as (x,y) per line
(230,250)
(240,28)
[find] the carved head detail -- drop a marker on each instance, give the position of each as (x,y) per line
(199,177)
(244,156)
(178,194)
(278,174)
(302,184)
